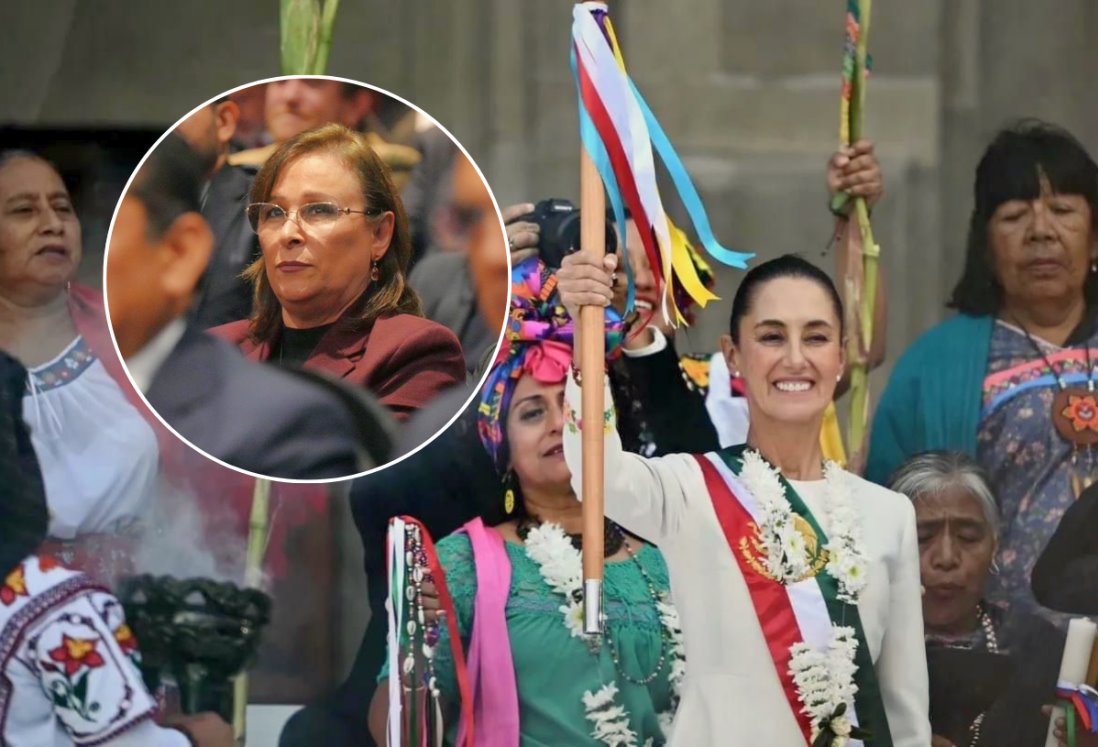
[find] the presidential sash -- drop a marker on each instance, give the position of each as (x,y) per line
(803,610)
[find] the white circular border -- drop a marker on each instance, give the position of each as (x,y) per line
(480,384)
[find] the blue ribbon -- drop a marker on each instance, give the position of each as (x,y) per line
(687,192)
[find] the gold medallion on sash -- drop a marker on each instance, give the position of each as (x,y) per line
(754,551)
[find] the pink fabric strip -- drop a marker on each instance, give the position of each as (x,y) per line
(491,669)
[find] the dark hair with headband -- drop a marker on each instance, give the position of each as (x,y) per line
(785,266)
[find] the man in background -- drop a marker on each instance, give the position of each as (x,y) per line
(252,416)
(443,279)
(299,104)
(222,296)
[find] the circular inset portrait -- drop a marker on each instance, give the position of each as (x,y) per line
(304,277)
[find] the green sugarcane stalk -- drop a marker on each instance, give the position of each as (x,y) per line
(307,27)
(857,426)
(299,26)
(258,526)
(327,27)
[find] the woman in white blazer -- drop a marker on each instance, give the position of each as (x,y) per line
(797,583)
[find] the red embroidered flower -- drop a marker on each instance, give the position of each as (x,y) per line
(126,639)
(15,586)
(75,653)
(47,563)
(1082,412)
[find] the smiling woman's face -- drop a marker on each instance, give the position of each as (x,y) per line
(40,244)
(790,351)
(535,421)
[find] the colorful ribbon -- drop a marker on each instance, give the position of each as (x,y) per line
(852,97)
(538,342)
(1080,704)
(619,130)
(400,565)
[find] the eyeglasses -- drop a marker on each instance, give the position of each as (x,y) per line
(266,216)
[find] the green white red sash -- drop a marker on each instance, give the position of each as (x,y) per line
(795,612)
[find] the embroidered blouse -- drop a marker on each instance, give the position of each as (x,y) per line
(68,662)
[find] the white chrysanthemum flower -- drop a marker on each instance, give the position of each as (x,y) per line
(604,696)
(573,618)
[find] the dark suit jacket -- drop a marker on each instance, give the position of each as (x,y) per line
(223,296)
(657,413)
(253,417)
(403,360)
(446,291)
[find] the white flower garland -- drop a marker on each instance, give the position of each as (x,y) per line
(786,554)
(824,679)
(561,567)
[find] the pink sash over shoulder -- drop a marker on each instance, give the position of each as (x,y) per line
(490,666)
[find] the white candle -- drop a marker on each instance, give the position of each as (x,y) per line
(1073,666)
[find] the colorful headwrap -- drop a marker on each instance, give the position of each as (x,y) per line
(537,341)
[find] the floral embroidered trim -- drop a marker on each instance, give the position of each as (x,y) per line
(575,425)
(561,568)
(15,586)
(12,634)
(75,359)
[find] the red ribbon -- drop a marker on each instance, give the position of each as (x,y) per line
(620,163)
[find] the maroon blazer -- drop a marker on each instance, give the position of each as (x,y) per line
(403,360)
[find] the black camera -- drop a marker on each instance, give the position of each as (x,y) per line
(558,221)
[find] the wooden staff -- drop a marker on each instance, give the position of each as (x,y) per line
(253,578)
(592,341)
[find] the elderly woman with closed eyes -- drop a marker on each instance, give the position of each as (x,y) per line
(330,289)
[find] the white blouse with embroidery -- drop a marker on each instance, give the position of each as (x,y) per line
(67,660)
(99,457)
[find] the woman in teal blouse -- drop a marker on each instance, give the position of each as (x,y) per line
(1011,380)
(559,689)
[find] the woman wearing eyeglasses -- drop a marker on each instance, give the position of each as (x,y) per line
(330,288)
